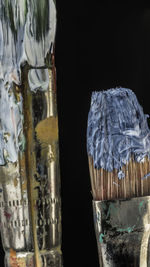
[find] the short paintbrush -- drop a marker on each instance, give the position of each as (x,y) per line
(118,145)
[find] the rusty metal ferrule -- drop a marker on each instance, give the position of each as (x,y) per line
(122,230)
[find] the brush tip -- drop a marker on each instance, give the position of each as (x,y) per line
(117,129)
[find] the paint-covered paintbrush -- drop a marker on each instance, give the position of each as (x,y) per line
(118,145)
(30,204)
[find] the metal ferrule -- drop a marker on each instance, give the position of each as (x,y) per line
(122,230)
(30,204)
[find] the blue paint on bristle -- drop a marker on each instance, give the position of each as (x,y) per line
(117,129)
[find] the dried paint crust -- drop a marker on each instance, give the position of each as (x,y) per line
(27,33)
(117,129)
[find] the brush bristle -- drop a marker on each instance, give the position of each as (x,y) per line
(106,185)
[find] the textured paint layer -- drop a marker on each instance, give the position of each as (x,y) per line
(38,79)
(11,123)
(27,33)
(117,129)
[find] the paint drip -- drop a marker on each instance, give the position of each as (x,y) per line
(117,130)
(27,34)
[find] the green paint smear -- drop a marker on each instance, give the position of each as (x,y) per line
(141,205)
(111,210)
(128,229)
(101,238)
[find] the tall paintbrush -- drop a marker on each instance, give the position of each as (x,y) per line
(30,204)
(118,145)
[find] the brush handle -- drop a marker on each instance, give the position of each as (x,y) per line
(122,230)
(30,206)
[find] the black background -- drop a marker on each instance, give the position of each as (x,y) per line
(97,47)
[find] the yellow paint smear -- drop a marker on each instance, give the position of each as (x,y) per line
(21,262)
(12,253)
(15,182)
(17,93)
(13,258)
(47,130)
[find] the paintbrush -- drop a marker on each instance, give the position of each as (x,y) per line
(30,203)
(118,145)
